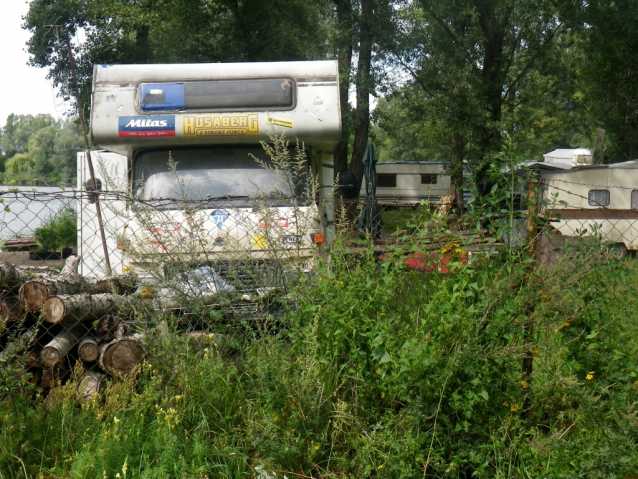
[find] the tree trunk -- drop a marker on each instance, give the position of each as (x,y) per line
(90,385)
(54,375)
(84,307)
(11,275)
(364,88)
(11,310)
(121,356)
(35,293)
(111,327)
(32,359)
(345,27)
(61,344)
(88,349)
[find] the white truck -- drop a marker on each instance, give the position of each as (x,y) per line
(182,175)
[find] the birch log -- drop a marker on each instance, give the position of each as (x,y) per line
(53,375)
(111,327)
(88,349)
(35,293)
(83,307)
(90,385)
(121,356)
(12,275)
(61,344)
(11,309)
(32,359)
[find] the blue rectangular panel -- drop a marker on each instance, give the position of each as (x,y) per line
(161,96)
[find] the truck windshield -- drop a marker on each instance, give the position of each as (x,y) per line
(221,175)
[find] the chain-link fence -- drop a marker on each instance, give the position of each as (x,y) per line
(84,275)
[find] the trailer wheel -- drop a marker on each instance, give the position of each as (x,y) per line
(618,251)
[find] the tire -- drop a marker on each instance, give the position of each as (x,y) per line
(618,251)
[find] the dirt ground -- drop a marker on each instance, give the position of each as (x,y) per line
(21,258)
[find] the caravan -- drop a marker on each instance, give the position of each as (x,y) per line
(410,182)
(594,200)
(182,169)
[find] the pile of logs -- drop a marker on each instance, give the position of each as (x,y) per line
(51,319)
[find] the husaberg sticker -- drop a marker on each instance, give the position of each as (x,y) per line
(236,124)
(146,126)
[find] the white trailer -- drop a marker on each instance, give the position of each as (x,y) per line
(409,182)
(185,136)
(594,200)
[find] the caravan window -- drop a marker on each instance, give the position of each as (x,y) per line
(598,197)
(385,180)
(634,200)
(428,179)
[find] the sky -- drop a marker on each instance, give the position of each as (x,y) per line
(23,89)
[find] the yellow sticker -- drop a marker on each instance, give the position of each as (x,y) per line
(260,241)
(235,124)
(279,122)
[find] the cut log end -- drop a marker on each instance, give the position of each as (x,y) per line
(49,356)
(53,310)
(122,356)
(88,350)
(89,386)
(11,310)
(34,294)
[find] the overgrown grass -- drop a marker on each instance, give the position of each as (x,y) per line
(498,369)
(379,372)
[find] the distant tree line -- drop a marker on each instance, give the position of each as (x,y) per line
(453,77)
(38,149)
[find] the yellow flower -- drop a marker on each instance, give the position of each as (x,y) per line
(316,448)
(565,325)
(147,293)
(590,376)
(380,467)
(116,420)
(524,384)
(515,408)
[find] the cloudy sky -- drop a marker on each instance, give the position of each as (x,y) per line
(23,89)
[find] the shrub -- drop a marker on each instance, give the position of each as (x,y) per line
(58,231)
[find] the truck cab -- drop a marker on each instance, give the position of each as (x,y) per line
(209,165)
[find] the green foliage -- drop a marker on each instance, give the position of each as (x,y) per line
(497,369)
(40,148)
(58,232)
(381,372)
(607,77)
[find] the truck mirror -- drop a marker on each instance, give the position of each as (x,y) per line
(348,186)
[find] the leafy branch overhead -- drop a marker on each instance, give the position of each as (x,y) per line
(454,76)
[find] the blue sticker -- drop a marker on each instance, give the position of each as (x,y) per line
(219,217)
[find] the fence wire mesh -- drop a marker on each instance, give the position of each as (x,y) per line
(210,263)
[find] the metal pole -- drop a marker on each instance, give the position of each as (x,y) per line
(76,92)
